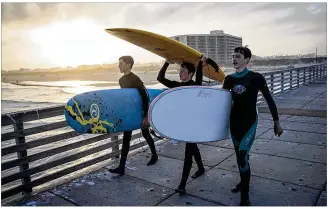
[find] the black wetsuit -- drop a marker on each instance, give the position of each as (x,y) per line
(191,148)
(243,118)
(131,80)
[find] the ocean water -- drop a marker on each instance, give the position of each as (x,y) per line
(31,94)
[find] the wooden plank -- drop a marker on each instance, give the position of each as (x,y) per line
(47,166)
(275,77)
(30,115)
(135,136)
(287,80)
(38,156)
(22,154)
(285,83)
(269,74)
(275,81)
(277,84)
(40,142)
(294,74)
(34,130)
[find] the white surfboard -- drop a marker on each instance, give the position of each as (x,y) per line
(192,114)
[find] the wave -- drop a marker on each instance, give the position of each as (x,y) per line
(26,84)
(72,83)
(34,92)
(10,85)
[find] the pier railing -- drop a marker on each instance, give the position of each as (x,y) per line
(288,79)
(28,162)
(18,176)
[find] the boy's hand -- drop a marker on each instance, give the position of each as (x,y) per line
(145,123)
(278,130)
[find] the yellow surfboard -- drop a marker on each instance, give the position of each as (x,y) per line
(165,47)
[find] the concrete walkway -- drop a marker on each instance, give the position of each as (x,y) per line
(286,171)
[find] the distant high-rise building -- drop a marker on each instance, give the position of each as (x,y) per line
(217,45)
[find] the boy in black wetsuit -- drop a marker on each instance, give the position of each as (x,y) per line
(186,72)
(131,80)
(244,85)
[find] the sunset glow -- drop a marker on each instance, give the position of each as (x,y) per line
(73,43)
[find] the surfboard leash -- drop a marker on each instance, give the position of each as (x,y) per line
(152,132)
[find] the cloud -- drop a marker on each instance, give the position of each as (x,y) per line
(304,17)
(12,12)
(153,13)
(310,16)
(20,12)
(28,14)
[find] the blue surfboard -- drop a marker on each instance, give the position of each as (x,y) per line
(107,111)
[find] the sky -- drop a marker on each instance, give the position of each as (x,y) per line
(44,35)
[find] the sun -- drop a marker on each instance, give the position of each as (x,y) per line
(73,43)
(82,42)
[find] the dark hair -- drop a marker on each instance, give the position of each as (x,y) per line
(244,51)
(190,67)
(127,60)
